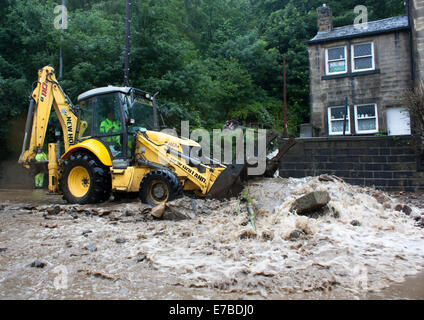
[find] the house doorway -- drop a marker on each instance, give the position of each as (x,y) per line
(398,121)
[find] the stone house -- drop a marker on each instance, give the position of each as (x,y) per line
(369,66)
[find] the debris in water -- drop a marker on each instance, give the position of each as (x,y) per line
(103,212)
(290,256)
(250,210)
(38,264)
(404,208)
(128,213)
(141,257)
(53,210)
(355,223)
(420,223)
(296,234)
(311,202)
(86,232)
(247,234)
(98,274)
(267,235)
(177,210)
(158,211)
(326,178)
(50,226)
(90,247)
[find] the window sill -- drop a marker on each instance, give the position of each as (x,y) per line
(366,132)
(351,74)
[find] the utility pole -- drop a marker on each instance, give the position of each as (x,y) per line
(61,41)
(285,97)
(127,45)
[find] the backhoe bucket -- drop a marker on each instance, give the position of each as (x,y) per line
(228,183)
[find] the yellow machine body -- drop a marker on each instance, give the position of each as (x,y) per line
(154,153)
(95,147)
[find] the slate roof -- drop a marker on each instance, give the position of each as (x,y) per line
(374,27)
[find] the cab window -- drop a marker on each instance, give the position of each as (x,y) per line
(109,120)
(85,121)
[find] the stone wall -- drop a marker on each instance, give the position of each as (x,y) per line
(417,13)
(388,163)
(383,86)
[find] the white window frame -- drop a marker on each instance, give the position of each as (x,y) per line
(372,56)
(330,127)
(327,66)
(356,119)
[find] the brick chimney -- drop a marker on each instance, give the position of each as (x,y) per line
(325,18)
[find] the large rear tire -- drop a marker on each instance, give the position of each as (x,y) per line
(85,179)
(160,186)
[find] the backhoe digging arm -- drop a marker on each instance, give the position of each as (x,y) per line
(47,93)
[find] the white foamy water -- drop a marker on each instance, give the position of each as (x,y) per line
(333,254)
(217,255)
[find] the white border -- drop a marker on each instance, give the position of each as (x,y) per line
(356,118)
(330,125)
(327,69)
(372,56)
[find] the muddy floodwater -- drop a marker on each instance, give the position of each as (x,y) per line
(358,247)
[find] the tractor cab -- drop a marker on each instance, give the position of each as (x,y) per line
(113,115)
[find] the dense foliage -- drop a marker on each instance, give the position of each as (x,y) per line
(414,99)
(212,60)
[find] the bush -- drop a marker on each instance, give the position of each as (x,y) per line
(414,100)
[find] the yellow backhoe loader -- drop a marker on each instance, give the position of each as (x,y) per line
(112,143)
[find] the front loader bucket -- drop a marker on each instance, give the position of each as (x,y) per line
(228,183)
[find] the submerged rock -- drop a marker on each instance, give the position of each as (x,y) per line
(90,247)
(420,223)
(141,257)
(404,208)
(53,210)
(158,211)
(128,213)
(38,264)
(355,223)
(103,212)
(180,209)
(247,234)
(296,234)
(325,178)
(267,235)
(381,198)
(86,232)
(311,202)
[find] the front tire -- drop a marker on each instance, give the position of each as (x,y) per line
(160,186)
(85,179)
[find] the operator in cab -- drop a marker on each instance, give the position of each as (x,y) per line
(109,125)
